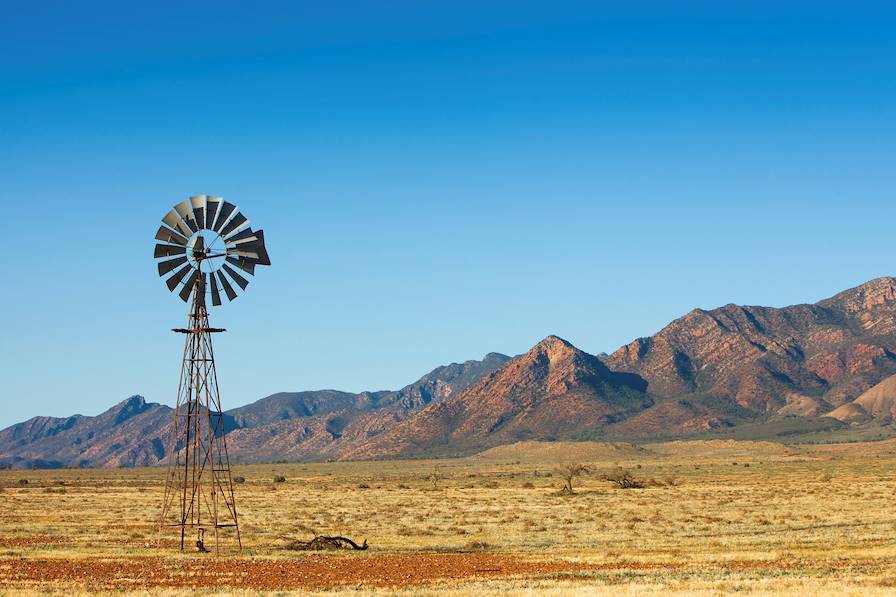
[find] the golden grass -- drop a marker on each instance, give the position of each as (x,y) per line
(757,518)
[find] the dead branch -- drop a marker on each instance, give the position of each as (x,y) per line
(623,479)
(323,542)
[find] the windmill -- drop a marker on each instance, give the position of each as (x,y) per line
(204,240)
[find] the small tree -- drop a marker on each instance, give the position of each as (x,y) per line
(568,472)
(435,475)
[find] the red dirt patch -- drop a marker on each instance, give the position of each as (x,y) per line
(309,572)
(328,571)
(32,540)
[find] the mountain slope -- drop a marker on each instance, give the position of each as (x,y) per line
(291,405)
(327,434)
(297,425)
(433,387)
(442,382)
(131,433)
(757,356)
(877,404)
(554,391)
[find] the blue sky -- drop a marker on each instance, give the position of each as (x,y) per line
(435,180)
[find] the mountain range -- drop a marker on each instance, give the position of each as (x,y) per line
(827,365)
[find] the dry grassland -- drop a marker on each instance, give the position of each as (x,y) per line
(714,518)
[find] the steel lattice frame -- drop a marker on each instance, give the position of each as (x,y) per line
(199,487)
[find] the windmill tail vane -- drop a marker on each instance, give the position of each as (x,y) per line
(202,239)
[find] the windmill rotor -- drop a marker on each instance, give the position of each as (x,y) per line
(203,241)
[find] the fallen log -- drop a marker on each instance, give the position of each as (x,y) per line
(323,542)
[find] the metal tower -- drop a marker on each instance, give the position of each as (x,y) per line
(199,487)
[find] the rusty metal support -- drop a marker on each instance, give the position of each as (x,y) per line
(198,487)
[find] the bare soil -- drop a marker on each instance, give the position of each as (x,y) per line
(313,572)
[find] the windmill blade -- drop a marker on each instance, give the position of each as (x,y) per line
(228,289)
(243,252)
(253,249)
(168,250)
(263,258)
(262,251)
(247,265)
(167,266)
(185,210)
(174,280)
(249,245)
(235,223)
(173,220)
(167,235)
(223,213)
(216,296)
(243,282)
(198,205)
(243,236)
(211,211)
(189,286)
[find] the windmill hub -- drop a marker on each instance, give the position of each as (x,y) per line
(197,247)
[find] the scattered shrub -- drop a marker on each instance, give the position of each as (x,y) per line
(528,485)
(23,482)
(239,479)
(363,486)
(623,479)
(279,479)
